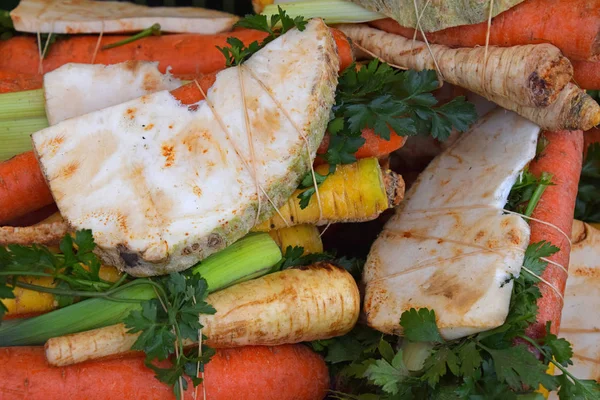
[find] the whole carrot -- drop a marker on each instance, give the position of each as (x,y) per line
(188,55)
(587,74)
(287,372)
(562,158)
(571,25)
(22,187)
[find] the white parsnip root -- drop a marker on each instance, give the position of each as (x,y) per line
(295,305)
(532,80)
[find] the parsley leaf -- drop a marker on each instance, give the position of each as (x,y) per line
(307,182)
(437,364)
(587,207)
(575,389)
(560,348)
(389,376)
(526,192)
(420,326)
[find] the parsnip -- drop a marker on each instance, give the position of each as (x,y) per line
(531,75)
(306,236)
(295,305)
(354,193)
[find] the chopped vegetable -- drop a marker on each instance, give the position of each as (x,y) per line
(86,16)
(248,258)
(450,247)
(24,104)
(279,308)
(16,137)
(305,236)
(332,11)
(288,372)
(571,25)
(170,213)
(355,192)
(562,158)
(22,187)
(530,75)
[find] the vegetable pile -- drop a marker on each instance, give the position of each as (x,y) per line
(328,199)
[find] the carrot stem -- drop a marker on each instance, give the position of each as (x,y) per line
(154,30)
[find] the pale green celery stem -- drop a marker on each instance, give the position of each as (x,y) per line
(414,354)
(24,104)
(15,135)
(249,258)
(331,11)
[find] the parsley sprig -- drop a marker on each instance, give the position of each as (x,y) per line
(487,365)
(237,52)
(587,207)
(166,322)
(294,257)
(527,191)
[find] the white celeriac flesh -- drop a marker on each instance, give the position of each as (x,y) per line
(450,247)
(163,185)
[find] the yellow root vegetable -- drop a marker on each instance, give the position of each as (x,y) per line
(295,305)
(354,193)
(529,75)
(27,302)
(47,232)
(306,236)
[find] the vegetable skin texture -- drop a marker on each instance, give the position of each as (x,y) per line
(530,75)
(305,236)
(187,54)
(296,305)
(356,192)
(23,188)
(288,372)
(586,74)
(562,158)
(185,219)
(571,25)
(11,81)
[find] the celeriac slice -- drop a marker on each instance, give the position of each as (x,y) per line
(77,89)
(163,186)
(580,322)
(450,247)
(88,16)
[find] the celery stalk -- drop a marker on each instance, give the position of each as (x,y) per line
(246,259)
(331,11)
(15,135)
(25,104)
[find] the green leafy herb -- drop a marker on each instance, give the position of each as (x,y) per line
(527,191)
(7,30)
(278,24)
(487,365)
(308,184)
(154,30)
(166,321)
(294,257)
(587,206)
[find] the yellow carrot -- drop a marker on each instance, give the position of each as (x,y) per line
(306,236)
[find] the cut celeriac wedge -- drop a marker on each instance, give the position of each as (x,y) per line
(450,247)
(77,89)
(163,186)
(88,16)
(580,323)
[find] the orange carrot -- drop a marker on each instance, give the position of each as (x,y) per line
(287,372)
(11,81)
(587,74)
(562,157)
(344,48)
(374,145)
(22,187)
(571,25)
(189,55)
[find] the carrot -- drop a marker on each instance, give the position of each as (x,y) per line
(11,81)
(587,74)
(571,25)
(287,372)
(374,146)
(22,187)
(187,54)
(562,158)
